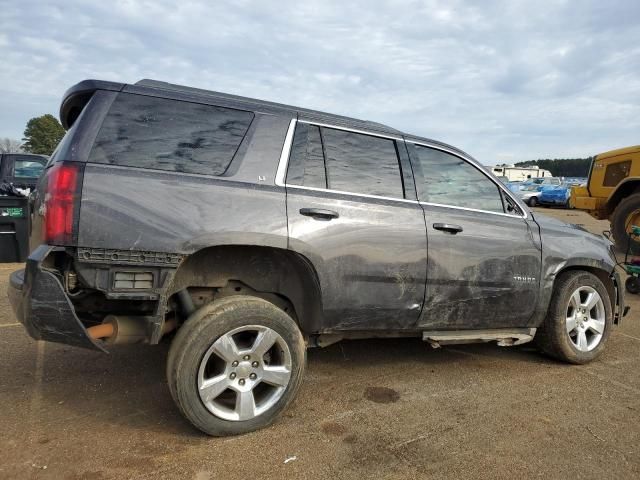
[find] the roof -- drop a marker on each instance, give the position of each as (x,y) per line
(258,105)
(84,89)
(620,151)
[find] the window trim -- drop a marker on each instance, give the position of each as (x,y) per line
(479,168)
(283,164)
(286,152)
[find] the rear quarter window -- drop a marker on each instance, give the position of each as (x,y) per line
(163,134)
(306,164)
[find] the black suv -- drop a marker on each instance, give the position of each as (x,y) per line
(256,230)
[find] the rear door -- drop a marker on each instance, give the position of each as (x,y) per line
(484,254)
(352,211)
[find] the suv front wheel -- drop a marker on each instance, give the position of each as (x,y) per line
(579,319)
(235,365)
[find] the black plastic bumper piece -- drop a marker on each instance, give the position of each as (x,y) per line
(620,309)
(42,306)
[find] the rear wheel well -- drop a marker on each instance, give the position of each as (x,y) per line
(285,278)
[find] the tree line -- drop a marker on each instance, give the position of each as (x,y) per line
(41,135)
(562,167)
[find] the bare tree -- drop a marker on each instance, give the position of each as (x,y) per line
(9,145)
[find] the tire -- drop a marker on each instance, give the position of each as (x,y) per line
(533,202)
(622,215)
(554,337)
(228,325)
(632,284)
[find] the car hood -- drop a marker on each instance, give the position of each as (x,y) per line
(548,223)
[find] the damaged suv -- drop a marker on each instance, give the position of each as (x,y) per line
(253,230)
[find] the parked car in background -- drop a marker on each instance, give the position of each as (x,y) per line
(18,176)
(558,195)
(257,230)
(530,194)
(576,181)
(553,181)
(530,190)
(514,186)
(21,169)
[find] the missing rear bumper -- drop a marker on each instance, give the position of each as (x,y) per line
(42,306)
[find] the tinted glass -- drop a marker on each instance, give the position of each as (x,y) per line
(361,163)
(306,162)
(616,172)
(449,180)
(171,135)
(27,168)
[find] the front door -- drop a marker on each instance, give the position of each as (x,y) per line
(484,258)
(349,214)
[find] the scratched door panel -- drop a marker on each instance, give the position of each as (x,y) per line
(370,260)
(486,276)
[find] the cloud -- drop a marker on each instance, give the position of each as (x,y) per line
(500,79)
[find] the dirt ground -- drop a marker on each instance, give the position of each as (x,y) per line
(367,409)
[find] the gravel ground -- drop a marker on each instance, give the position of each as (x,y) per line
(367,409)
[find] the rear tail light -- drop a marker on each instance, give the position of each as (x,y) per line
(62,203)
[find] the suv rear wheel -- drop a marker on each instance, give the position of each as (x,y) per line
(235,365)
(579,319)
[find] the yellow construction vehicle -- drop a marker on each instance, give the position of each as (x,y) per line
(613,193)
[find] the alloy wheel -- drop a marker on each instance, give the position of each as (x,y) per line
(585,318)
(244,373)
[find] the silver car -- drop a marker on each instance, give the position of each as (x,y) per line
(530,194)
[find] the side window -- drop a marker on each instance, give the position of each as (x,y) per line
(449,180)
(616,172)
(158,133)
(306,162)
(360,163)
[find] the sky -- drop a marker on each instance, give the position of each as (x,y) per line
(505,81)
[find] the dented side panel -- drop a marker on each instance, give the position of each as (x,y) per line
(486,276)
(162,211)
(568,246)
(371,260)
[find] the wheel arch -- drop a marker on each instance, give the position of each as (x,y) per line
(268,272)
(603,275)
(622,191)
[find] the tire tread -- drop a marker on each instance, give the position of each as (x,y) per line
(223,315)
